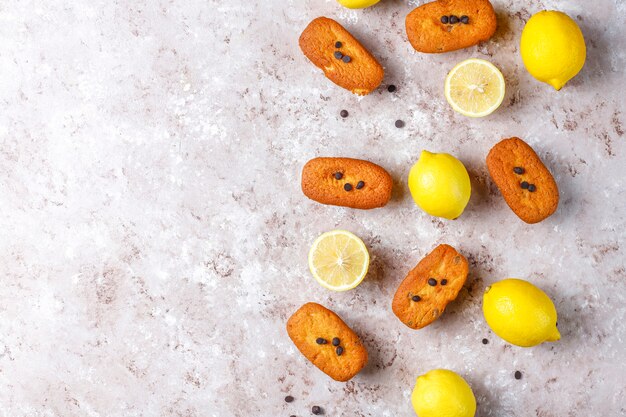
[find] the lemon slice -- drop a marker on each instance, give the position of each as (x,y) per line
(339,260)
(475,87)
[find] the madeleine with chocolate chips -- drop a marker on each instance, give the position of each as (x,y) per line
(422,296)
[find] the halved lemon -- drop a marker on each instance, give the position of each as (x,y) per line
(475,87)
(339,260)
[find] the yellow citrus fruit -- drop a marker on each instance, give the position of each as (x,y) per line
(443,393)
(357,4)
(440,185)
(474,87)
(552,48)
(338,260)
(520,313)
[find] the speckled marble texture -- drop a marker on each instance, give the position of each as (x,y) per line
(154,235)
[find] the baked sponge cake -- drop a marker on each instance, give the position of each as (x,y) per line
(448,25)
(423,295)
(526,184)
(346,62)
(324,339)
(347,182)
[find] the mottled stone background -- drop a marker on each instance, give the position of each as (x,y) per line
(154,235)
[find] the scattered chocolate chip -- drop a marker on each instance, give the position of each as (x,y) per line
(321,341)
(399,124)
(524,185)
(336,341)
(465,19)
(360,185)
(454,19)
(518,375)
(338,55)
(316,409)
(339,350)
(444,19)
(518,170)
(343,113)
(338,175)
(337,44)
(432,282)
(444,281)
(292,415)
(391,88)
(288,399)
(485,341)
(347,186)
(346,59)
(532,188)
(416,298)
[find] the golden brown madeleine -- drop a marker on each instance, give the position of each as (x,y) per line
(346,182)
(524,181)
(426,291)
(324,339)
(448,25)
(342,58)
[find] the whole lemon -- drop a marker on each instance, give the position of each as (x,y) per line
(440,185)
(443,393)
(552,48)
(357,4)
(520,313)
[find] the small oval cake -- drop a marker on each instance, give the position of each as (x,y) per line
(524,181)
(341,56)
(424,294)
(346,182)
(448,25)
(324,339)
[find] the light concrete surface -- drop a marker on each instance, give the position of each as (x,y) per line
(154,234)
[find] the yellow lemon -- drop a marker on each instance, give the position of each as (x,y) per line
(357,4)
(520,313)
(443,393)
(339,260)
(474,88)
(552,48)
(440,185)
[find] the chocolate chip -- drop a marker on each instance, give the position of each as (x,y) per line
(416,298)
(338,55)
(338,175)
(518,170)
(485,341)
(288,399)
(336,341)
(339,350)
(346,59)
(347,186)
(316,409)
(360,185)
(444,281)
(321,341)
(444,19)
(343,113)
(532,188)
(524,185)
(432,282)
(518,375)
(454,19)
(391,88)
(399,124)
(337,44)
(465,19)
